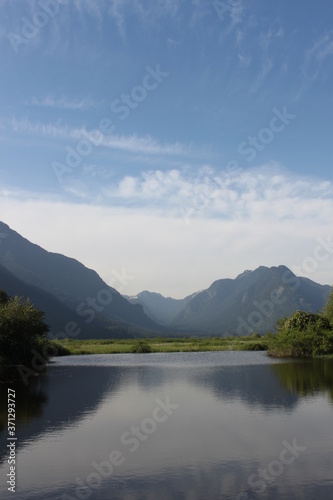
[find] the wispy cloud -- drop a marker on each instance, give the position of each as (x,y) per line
(147,145)
(236,16)
(245,60)
(316,55)
(272,220)
(131,143)
(38,129)
(62,103)
(145,11)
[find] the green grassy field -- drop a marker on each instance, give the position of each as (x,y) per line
(187,344)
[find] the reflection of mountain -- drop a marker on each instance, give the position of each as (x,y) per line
(306,378)
(252,385)
(29,402)
(67,393)
(55,400)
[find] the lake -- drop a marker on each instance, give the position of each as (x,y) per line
(213,425)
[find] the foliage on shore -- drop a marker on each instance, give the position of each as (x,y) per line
(23,333)
(304,334)
(162,344)
(22,330)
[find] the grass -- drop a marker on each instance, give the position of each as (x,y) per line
(158,344)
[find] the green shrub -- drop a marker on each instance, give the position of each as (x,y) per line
(328,309)
(59,349)
(22,330)
(303,335)
(141,347)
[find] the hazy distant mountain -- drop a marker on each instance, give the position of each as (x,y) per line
(67,285)
(69,292)
(160,309)
(252,302)
(57,314)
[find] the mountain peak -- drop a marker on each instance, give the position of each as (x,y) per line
(246,272)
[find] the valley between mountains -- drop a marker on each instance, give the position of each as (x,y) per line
(77,302)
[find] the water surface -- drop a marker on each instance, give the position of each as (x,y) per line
(213,425)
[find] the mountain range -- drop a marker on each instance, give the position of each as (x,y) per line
(67,291)
(77,302)
(252,302)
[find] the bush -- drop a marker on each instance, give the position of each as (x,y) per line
(328,309)
(303,335)
(59,349)
(141,347)
(22,329)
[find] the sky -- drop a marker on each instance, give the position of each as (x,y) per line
(168,144)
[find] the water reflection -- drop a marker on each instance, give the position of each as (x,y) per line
(29,401)
(231,415)
(307,378)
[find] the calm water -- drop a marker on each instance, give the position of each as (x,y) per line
(173,426)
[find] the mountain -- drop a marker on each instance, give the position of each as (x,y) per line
(252,302)
(67,291)
(57,314)
(160,309)
(71,294)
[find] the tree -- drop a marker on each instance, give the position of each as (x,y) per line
(303,334)
(4,298)
(22,329)
(328,308)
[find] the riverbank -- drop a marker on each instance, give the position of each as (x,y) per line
(185,344)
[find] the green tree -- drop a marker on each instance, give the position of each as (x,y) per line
(22,329)
(328,308)
(4,298)
(302,335)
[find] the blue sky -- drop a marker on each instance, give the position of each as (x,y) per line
(173,142)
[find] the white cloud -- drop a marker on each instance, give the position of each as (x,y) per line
(147,145)
(62,103)
(316,55)
(130,143)
(244,60)
(262,217)
(145,11)
(211,193)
